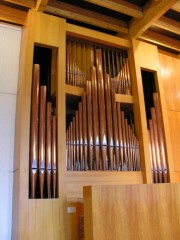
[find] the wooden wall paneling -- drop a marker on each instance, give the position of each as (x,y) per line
(170,72)
(174,127)
(77,180)
(169,65)
(177,177)
(30,210)
(110,212)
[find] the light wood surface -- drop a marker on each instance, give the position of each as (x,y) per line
(120,7)
(79,14)
(11,15)
(122,98)
(77,91)
(177,177)
(74,220)
(77,180)
(170,72)
(95,36)
(26,3)
(149,211)
(174,127)
(44,219)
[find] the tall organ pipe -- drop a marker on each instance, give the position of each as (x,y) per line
(54,156)
(90,123)
(160,135)
(34,131)
(95,117)
(84,125)
(48,148)
(109,121)
(42,125)
(101,104)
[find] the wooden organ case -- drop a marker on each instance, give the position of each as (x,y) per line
(101,131)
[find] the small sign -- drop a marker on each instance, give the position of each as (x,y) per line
(71,209)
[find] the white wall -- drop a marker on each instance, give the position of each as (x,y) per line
(10,40)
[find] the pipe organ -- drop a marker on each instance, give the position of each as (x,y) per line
(99,136)
(104,139)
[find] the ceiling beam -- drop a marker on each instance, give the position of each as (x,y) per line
(25,3)
(41,5)
(85,16)
(152,12)
(161,40)
(96,36)
(122,7)
(168,24)
(176,6)
(12,15)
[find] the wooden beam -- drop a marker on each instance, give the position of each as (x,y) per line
(41,5)
(25,3)
(86,16)
(162,40)
(151,13)
(122,7)
(176,6)
(97,37)
(168,24)
(12,15)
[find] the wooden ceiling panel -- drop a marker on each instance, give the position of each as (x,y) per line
(25,3)
(156,21)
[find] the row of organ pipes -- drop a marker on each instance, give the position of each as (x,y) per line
(99,136)
(80,58)
(43,142)
(157,143)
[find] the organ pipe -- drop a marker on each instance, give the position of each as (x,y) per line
(108,141)
(43,157)
(81,56)
(157,143)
